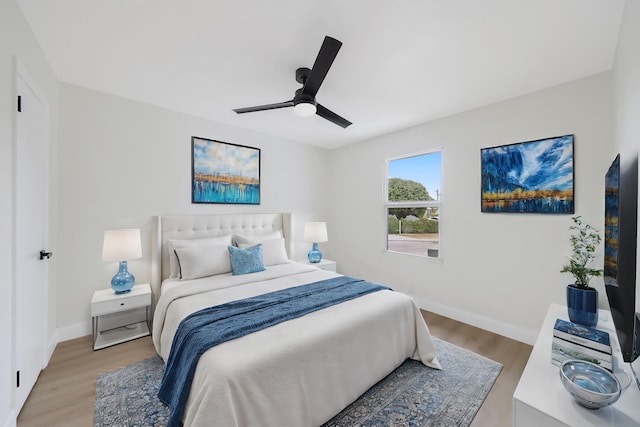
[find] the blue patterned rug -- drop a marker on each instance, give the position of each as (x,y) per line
(412,395)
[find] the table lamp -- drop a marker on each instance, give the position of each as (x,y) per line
(315,232)
(122,246)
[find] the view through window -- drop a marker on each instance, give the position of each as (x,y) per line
(413,205)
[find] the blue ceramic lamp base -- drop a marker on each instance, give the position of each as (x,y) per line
(314,254)
(123,281)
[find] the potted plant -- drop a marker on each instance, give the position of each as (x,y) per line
(582,300)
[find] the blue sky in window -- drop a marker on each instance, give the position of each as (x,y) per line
(424,168)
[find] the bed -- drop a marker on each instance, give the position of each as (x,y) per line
(300,372)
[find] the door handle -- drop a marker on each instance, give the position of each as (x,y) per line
(46,255)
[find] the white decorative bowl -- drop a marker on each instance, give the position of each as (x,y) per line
(591,385)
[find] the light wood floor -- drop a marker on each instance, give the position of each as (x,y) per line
(65,391)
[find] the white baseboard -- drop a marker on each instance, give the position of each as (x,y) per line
(71,332)
(11,419)
(492,325)
(64,334)
(51,346)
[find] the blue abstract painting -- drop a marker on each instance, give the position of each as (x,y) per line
(529,177)
(224,173)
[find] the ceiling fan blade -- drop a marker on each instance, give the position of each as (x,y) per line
(264,107)
(327,54)
(325,113)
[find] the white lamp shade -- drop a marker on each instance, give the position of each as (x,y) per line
(121,245)
(315,232)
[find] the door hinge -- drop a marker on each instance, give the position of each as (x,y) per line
(18,379)
(19,103)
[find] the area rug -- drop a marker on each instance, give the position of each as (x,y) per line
(412,395)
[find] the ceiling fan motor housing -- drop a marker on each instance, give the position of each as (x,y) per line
(301,97)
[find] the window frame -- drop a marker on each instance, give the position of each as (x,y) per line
(411,204)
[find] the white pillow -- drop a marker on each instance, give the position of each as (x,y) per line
(203,261)
(172,245)
(273,251)
(254,239)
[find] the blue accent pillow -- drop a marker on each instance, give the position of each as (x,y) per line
(246,260)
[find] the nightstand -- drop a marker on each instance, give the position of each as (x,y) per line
(116,318)
(324,264)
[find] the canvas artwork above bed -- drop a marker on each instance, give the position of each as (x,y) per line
(329,337)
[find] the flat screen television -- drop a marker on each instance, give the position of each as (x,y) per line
(620,252)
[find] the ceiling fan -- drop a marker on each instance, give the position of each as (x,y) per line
(304,101)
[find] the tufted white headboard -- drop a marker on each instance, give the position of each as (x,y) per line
(200,226)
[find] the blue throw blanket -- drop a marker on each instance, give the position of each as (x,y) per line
(211,326)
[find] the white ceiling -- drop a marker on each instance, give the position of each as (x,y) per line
(402,62)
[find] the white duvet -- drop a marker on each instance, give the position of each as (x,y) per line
(298,373)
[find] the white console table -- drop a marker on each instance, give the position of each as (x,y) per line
(541,400)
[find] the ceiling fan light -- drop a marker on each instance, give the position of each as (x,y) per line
(304,109)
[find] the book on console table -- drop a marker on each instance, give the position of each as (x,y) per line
(562,350)
(591,338)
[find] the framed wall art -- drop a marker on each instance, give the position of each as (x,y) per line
(529,177)
(224,173)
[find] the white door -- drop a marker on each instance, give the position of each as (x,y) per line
(31,227)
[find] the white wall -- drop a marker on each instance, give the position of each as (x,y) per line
(500,271)
(17,44)
(122,162)
(626,80)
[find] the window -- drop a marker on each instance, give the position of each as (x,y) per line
(412,205)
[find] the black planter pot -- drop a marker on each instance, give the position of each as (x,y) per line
(582,304)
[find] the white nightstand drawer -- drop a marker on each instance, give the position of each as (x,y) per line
(324,264)
(106,301)
(114,306)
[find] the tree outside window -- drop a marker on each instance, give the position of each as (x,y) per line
(413,219)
